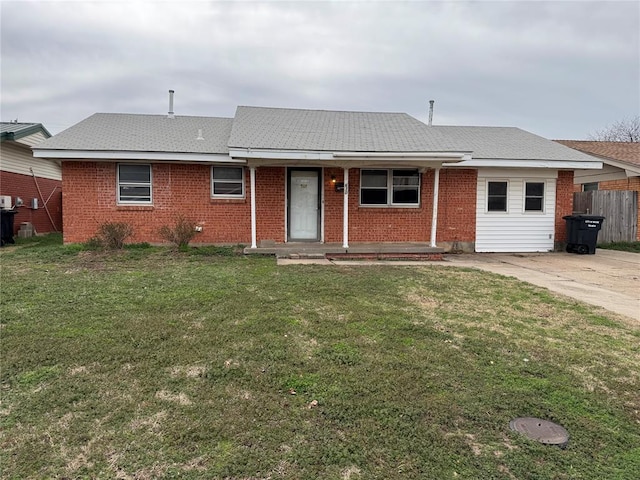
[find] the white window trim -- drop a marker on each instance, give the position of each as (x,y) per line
(524,197)
(150,184)
(389,188)
(486,194)
(242,180)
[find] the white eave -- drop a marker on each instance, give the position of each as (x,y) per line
(264,157)
(507,163)
(134,155)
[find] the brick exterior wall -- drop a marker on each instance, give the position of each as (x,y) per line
(89,200)
(456,213)
(564,204)
(24,186)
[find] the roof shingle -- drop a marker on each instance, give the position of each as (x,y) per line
(623,151)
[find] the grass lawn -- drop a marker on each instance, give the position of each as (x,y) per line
(623,246)
(148,363)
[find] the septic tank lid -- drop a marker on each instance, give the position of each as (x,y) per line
(541,430)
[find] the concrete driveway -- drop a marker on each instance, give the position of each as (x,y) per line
(608,279)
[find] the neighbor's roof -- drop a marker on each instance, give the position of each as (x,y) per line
(325,130)
(15,131)
(508,143)
(144,133)
(628,152)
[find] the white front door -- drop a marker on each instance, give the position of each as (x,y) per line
(304,204)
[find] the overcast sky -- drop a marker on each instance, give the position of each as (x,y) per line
(559,69)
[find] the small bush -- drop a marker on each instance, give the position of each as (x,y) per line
(112,235)
(181,233)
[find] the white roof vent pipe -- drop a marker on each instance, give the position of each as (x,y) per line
(431,102)
(171,115)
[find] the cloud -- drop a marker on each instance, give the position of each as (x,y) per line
(560,69)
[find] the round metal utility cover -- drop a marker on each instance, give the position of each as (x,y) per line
(541,430)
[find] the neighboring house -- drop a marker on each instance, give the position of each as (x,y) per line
(25,178)
(621,168)
(273,176)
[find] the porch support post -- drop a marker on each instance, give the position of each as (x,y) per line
(345,210)
(434,214)
(252,175)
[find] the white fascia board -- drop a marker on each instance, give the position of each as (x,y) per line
(257,154)
(630,170)
(250,154)
(450,157)
(506,163)
(128,155)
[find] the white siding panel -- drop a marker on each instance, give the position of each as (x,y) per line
(33,139)
(17,159)
(515,230)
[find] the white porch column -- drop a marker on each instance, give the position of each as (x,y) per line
(252,175)
(434,214)
(345,210)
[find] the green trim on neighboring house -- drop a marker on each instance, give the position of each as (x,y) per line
(11,135)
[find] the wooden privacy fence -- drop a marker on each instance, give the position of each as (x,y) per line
(620,209)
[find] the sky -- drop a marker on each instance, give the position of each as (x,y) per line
(561,69)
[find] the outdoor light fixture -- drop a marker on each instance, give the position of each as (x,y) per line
(333,179)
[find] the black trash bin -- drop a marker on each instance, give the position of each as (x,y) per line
(6,226)
(582,233)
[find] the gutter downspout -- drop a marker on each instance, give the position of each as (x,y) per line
(252,175)
(345,210)
(434,214)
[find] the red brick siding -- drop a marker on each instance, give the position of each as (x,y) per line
(564,203)
(457,205)
(456,213)
(270,204)
(89,200)
(24,186)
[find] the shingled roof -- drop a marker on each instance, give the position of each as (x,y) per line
(15,131)
(628,152)
(326,130)
(144,133)
(285,129)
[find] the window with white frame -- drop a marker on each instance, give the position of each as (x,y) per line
(589,187)
(390,187)
(227,182)
(497,196)
(534,196)
(134,183)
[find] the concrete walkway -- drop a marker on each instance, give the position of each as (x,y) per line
(608,279)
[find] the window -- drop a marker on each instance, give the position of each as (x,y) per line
(227,182)
(497,196)
(588,187)
(134,183)
(389,187)
(534,197)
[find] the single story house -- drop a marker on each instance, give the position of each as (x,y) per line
(34,185)
(278,176)
(621,168)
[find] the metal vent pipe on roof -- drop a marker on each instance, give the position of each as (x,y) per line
(171,115)
(431,102)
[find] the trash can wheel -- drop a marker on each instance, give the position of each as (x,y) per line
(582,249)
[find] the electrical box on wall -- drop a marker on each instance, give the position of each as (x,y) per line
(5,202)
(34,203)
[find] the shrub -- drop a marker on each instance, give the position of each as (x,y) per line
(181,233)
(112,235)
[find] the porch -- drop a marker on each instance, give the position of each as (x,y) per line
(361,250)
